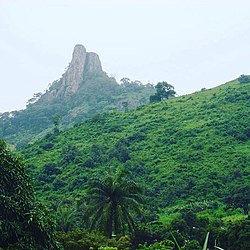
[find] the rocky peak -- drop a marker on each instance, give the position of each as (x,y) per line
(83,64)
(93,63)
(78,54)
(74,74)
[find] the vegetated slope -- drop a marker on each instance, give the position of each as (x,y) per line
(83,91)
(187,149)
(98,94)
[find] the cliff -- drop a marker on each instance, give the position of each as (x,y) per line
(83,64)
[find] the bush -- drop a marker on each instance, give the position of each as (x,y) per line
(83,240)
(163,245)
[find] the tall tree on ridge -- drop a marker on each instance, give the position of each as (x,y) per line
(164,90)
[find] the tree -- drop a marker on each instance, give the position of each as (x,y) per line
(125,81)
(164,90)
(238,195)
(35,98)
(56,120)
(244,79)
(237,235)
(24,224)
(125,105)
(120,151)
(111,200)
(154,98)
(65,213)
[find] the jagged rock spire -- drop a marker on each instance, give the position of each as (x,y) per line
(74,74)
(83,63)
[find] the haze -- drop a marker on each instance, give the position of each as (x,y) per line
(191,44)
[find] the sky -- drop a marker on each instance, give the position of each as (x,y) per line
(191,44)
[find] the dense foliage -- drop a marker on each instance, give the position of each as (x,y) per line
(191,155)
(164,90)
(24,224)
(98,93)
(111,200)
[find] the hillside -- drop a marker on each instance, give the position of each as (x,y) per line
(83,91)
(189,149)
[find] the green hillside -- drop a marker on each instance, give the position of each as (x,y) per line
(189,154)
(97,94)
(188,149)
(83,91)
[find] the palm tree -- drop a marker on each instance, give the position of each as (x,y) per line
(111,200)
(65,214)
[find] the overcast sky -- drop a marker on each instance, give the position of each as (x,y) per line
(189,43)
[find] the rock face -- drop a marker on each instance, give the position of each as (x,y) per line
(83,63)
(93,63)
(74,74)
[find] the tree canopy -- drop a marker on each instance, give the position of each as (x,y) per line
(164,90)
(24,224)
(111,201)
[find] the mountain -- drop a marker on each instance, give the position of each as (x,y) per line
(184,150)
(82,65)
(83,91)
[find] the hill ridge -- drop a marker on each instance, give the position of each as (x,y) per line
(83,91)
(186,149)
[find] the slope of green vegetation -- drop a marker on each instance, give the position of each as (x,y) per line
(189,148)
(190,153)
(98,93)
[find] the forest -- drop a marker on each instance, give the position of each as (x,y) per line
(172,174)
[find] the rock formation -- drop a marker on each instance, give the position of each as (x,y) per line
(83,64)
(83,91)
(92,64)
